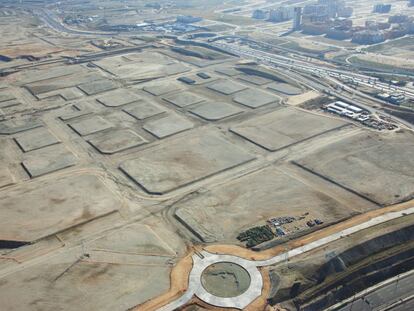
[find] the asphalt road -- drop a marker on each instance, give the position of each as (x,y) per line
(51,20)
(272,60)
(394,296)
(195,286)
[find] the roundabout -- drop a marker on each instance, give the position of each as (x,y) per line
(241,277)
(225,279)
(233,282)
(222,281)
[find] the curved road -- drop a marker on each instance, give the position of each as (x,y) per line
(52,21)
(201,262)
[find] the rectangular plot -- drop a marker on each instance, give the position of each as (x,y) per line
(231,72)
(10,103)
(178,163)
(118,98)
(254,198)
(161,89)
(212,111)
(53,85)
(143,110)
(16,126)
(67,94)
(257,80)
(226,87)
(48,160)
(170,125)
(183,99)
(36,139)
(254,98)
(6,96)
(285,88)
(6,178)
(284,127)
(96,87)
(376,167)
(90,125)
(33,211)
(117,141)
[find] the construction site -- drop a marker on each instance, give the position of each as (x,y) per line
(148,172)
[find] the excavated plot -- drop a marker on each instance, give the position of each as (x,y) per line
(226,87)
(183,161)
(118,98)
(213,111)
(101,284)
(47,160)
(231,72)
(376,167)
(32,211)
(36,139)
(76,110)
(10,103)
(6,178)
(68,93)
(285,88)
(117,141)
(254,98)
(144,66)
(138,238)
(256,80)
(71,80)
(183,99)
(6,96)
(170,125)
(161,89)
(96,87)
(18,125)
(285,127)
(90,125)
(75,114)
(143,110)
(221,213)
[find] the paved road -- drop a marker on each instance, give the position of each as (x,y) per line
(398,294)
(308,66)
(199,264)
(328,74)
(52,21)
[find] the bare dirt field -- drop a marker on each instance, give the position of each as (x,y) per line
(377,167)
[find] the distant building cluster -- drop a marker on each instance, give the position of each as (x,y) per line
(331,17)
(321,11)
(188,19)
(376,32)
(382,8)
(281,14)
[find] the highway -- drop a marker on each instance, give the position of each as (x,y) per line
(52,21)
(394,294)
(325,73)
(196,288)
(322,71)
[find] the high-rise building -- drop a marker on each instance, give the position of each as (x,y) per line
(281,14)
(297,18)
(259,14)
(382,8)
(333,6)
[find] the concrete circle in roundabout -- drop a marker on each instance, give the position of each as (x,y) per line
(241,281)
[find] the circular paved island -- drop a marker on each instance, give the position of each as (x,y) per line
(225,279)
